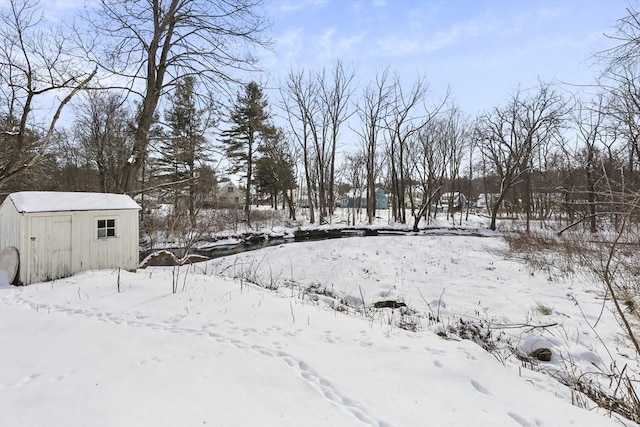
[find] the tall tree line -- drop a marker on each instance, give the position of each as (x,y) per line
(317,104)
(408,141)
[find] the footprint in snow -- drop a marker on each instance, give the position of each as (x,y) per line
(520,420)
(480,388)
(26,380)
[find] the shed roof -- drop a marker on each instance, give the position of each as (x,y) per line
(54,201)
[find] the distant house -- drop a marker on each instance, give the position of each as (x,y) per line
(58,234)
(228,195)
(350,200)
(382,201)
(455,200)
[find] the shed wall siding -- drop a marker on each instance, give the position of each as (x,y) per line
(49,247)
(12,233)
(10,226)
(50,256)
(110,252)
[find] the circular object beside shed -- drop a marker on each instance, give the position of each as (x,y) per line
(9,261)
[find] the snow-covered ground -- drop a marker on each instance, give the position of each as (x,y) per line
(225,350)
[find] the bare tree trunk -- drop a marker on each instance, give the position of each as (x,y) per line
(426,203)
(527,201)
(307,175)
(371,191)
(591,192)
(154,84)
(290,204)
(371,112)
(395,190)
(504,187)
(403,178)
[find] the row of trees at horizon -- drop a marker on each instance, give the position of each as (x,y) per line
(542,142)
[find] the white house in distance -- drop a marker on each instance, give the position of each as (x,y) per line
(228,195)
(58,234)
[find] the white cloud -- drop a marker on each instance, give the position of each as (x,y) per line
(398,45)
(287,49)
(348,43)
(493,45)
(294,5)
(330,46)
(325,43)
(62,10)
(290,40)
(552,13)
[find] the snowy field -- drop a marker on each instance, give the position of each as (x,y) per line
(312,350)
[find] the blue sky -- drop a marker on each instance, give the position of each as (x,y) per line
(482,50)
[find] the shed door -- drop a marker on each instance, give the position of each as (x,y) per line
(50,248)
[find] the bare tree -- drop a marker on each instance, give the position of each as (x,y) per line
(429,154)
(402,122)
(102,127)
(626,52)
(621,80)
(590,121)
(74,171)
(335,93)
(296,96)
(511,134)
(355,170)
(316,105)
(150,45)
(623,88)
(372,110)
(36,66)
(614,259)
(458,132)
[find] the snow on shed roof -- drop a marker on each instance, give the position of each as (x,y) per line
(54,201)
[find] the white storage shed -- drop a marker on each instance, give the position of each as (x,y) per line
(58,234)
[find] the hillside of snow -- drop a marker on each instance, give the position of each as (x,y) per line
(290,336)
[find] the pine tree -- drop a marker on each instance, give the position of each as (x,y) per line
(184,148)
(250,127)
(15,151)
(275,171)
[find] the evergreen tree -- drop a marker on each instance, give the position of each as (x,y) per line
(275,170)
(15,150)
(250,127)
(267,179)
(183,150)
